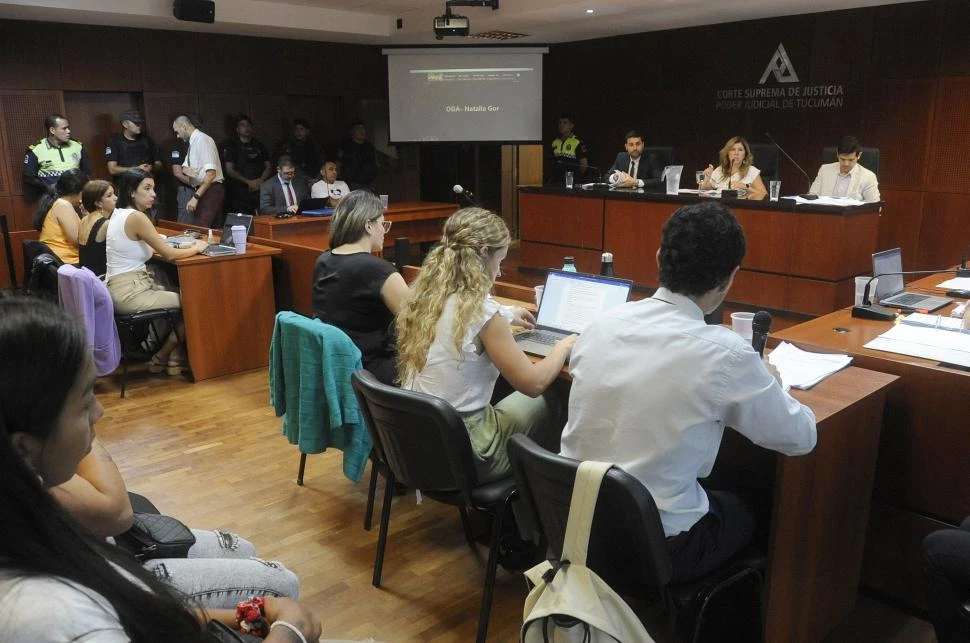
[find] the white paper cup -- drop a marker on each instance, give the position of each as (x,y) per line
(741,324)
(239,238)
(539,290)
(860,288)
(384,200)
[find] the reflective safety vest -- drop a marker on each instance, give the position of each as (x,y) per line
(54,161)
(566,149)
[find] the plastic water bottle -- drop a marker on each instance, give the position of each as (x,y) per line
(569,264)
(212,238)
(606,264)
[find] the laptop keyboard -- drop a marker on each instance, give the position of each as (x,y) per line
(907,299)
(541,337)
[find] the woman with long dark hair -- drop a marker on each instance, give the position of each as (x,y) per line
(57,582)
(56,216)
(131,241)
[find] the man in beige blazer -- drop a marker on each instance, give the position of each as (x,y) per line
(845,177)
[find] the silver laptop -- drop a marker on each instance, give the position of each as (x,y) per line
(889,289)
(570,301)
(232,219)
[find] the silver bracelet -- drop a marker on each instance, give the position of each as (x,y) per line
(289,625)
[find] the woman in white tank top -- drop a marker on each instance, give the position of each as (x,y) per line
(131,242)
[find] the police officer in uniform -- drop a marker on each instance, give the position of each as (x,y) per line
(568,151)
(247,166)
(131,148)
(51,156)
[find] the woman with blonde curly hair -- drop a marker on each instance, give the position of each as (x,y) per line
(454,340)
(735,171)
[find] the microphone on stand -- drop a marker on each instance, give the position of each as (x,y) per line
(804,173)
(457,189)
(760,327)
(869,310)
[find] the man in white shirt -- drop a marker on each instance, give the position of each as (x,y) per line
(329,187)
(204,170)
(654,387)
(845,177)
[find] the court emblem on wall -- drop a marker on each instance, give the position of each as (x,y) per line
(780,67)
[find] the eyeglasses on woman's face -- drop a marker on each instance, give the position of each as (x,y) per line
(383,223)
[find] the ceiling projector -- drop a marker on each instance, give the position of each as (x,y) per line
(450,25)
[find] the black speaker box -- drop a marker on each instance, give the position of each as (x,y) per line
(195,10)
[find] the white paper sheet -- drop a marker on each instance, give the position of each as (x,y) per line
(929,343)
(802,369)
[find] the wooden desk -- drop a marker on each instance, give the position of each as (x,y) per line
(419,221)
(921,479)
(820,508)
(228,309)
(800,259)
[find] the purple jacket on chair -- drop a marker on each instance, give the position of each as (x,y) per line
(87,299)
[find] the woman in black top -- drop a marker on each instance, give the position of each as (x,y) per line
(356,291)
(98,199)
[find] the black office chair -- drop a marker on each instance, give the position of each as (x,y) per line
(868,160)
(627,545)
(31,250)
(766,160)
(8,250)
(425,445)
(660,157)
(134,327)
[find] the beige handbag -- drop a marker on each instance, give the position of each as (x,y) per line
(569,603)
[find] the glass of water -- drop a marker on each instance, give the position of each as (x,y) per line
(774,190)
(569,180)
(699,175)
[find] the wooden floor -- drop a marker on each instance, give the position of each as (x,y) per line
(212,455)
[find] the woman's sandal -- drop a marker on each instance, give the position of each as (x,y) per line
(156,365)
(176,365)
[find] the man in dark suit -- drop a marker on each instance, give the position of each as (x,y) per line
(281,194)
(631,169)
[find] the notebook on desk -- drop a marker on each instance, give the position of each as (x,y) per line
(889,289)
(570,301)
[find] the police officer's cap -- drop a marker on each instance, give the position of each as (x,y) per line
(132,115)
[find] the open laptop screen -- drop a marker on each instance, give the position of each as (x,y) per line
(236,219)
(572,300)
(885,262)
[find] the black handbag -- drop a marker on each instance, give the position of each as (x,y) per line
(219,632)
(156,536)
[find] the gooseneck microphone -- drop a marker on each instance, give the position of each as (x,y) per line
(457,189)
(964,271)
(760,327)
(804,173)
(869,310)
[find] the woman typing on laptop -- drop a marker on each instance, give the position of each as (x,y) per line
(131,242)
(454,340)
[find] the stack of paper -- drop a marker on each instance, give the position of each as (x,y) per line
(801,369)
(956,283)
(934,321)
(930,343)
(826,200)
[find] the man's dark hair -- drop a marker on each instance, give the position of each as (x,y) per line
(284,161)
(632,134)
(849,145)
(302,122)
(569,116)
(51,121)
(701,245)
(242,117)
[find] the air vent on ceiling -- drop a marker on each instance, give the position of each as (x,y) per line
(498,35)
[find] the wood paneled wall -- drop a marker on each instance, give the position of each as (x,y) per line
(905,69)
(88,72)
